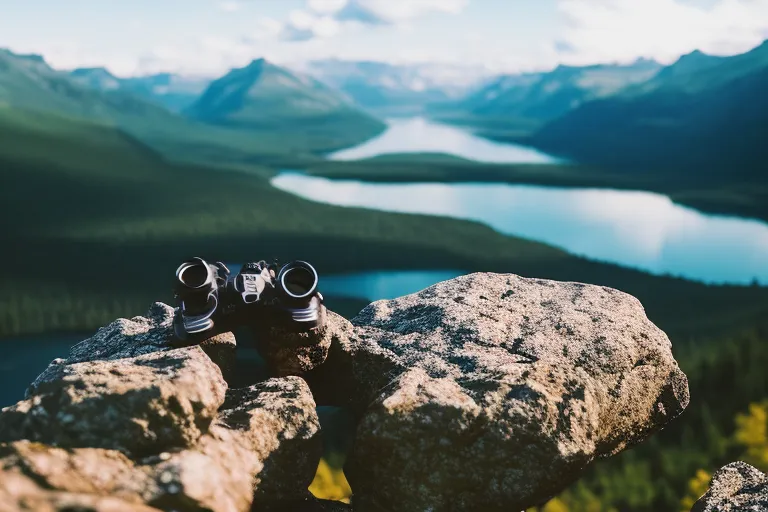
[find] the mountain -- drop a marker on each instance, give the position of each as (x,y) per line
(265,96)
(28,82)
(396,89)
(702,114)
(532,99)
(174,92)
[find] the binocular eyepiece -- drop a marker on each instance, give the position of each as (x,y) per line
(211,301)
(197,289)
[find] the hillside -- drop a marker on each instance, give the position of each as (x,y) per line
(169,90)
(264,96)
(530,100)
(29,83)
(702,115)
(137,213)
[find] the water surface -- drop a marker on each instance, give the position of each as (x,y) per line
(418,135)
(641,230)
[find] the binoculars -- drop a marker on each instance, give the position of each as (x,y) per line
(211,301)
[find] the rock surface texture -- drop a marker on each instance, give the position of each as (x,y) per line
(494,392)
(735,487)
(486,392)
(128,422)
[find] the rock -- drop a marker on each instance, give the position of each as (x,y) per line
(294,353)
(135,337)
(21,494)
(494,392)
(277,420)
(735,487)
(145,404)
(222,349)
(264,447)
(80,471)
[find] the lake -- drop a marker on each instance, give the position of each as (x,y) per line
(418,135)
(642,230)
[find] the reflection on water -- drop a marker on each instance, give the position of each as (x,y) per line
(637,229)
(418,135)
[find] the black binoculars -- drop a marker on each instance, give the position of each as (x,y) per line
(211,301)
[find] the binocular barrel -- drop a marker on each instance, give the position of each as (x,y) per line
(197,289)
(297,282)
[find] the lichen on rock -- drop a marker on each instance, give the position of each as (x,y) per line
(735,487)
(495,392)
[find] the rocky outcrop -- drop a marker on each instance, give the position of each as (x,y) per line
(735,487)
(492,392)
(487,392)
(116,425)
(144,404)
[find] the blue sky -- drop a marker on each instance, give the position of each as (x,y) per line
(208,37)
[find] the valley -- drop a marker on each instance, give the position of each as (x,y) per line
(577,174)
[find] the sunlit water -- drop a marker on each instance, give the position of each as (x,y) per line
(642,230)
(417,135)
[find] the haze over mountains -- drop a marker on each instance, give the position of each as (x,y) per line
(172,91)
(389,89)
(641,116)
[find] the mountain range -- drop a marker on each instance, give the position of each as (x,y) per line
(703,114)
(260,108)
(530,100)
(263,96)
(175,92)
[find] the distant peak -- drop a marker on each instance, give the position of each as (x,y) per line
(695,54)
(92,71)
(257,63)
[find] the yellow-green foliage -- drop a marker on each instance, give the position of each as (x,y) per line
(697,486)
(752,434)
(331,484)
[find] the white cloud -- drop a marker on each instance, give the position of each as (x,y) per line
(230,5)
(622,30)
(384,11)
(305,25)
(326,6)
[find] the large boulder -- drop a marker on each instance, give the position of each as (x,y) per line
(494,392)
(126,338)
(735,487)
(144,404)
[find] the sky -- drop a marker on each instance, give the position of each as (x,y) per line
(209,37)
